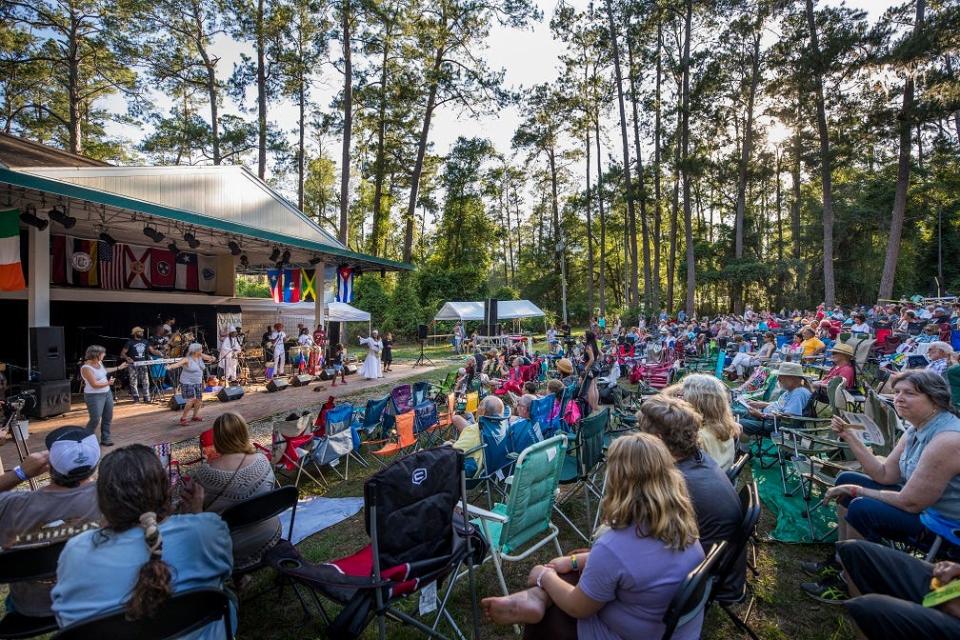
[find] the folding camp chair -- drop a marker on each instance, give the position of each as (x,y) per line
(28,564)
(540,410)
(402,440)
(579,465)
(292,442)
(426,424)
(523,433)
(416,541)
(732,562)
(369,420)
(691,598)
(497,461)
(420,392)
(401,399)
(442,390)
(520,526)
(178,616)
(337,441)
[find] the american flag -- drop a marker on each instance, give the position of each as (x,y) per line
(111,263)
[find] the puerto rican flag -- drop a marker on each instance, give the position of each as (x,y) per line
(113,268)
(188,272)
(275,279)
(345,284)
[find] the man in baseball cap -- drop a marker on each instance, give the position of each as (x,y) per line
(71,497)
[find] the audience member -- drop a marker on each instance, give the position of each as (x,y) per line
(843,367)
(884,501)
(939,354)
(719,432)
(70,497)
(145,553)
(792,402)
(237,474)
(468,433)
(622,587)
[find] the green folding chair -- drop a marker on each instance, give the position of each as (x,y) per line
(520,526)
(580,464)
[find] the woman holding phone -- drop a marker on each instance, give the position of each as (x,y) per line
(98,391)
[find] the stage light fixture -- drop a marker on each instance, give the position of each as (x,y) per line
(191,240)
(61,218)
(153,233)
(234,248)
(315,260)
(244,260)
(275,254)
(106,237)
(173,248)
(285,258)
(31,219)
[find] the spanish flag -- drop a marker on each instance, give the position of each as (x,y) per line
(11,272)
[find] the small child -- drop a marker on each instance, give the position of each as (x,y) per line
(387,351)
(336,361)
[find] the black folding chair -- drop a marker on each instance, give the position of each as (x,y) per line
(28,564)
(182,613)
(692,596)
(737,467)
(730,564)
(257,509)
(416,540)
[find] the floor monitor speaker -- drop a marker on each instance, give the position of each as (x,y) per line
(277,384)
(302,380)
(230,393)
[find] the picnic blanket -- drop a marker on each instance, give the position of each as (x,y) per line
(791,525)
(316,514)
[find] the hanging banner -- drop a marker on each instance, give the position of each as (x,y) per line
(11,271)
(113,268)
(188,275)
(275,279)
(308,285)
(345,284)
(291,285)
(137,266)
(163,269)
(207,270)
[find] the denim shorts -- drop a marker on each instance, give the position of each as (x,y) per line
(191,391)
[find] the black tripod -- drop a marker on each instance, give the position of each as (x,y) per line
(423,360)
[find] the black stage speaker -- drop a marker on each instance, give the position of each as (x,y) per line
(177,403)
(302,380)
(277,385)
(422,332)
(490,317)
(46,353)
(50,398)
(227,394)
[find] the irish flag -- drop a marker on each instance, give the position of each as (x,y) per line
(11,273)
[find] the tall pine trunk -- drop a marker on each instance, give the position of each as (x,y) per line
(378,228)
(347,125)
(826,161)
(589,226)
(602,282)
(657,217)
(261,46)
(745,153)
(903,177)
(641,184)
(685,142)
(631,244)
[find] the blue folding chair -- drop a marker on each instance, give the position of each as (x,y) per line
(540,410)
(523,434)
(337,443)
(421,391)
(426,424)
(372,418)
(497,459)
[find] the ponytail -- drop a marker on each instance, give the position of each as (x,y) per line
(153,581)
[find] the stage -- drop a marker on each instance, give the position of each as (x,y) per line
(156,423)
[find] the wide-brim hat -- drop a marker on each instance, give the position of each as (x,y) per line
(842,347)
(792,369)
(564,366)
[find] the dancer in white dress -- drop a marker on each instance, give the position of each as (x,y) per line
(371,365)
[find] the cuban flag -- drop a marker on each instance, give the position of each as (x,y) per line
(275,279)
(345,284)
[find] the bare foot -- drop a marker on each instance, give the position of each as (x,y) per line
(525,607)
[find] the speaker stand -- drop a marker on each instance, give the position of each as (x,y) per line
(423,360)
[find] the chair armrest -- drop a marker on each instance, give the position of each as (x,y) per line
(479,512)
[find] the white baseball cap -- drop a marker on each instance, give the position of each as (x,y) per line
(74,451)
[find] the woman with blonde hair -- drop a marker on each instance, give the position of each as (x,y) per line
(622,587)
(719,430)
(238,473)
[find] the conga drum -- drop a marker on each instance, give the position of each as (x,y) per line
(313,368)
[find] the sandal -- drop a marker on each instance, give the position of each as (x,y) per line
(196,419)
(183,422)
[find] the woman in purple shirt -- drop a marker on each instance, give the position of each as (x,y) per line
(622,587)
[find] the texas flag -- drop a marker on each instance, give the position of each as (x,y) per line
(188,272)
(163,270)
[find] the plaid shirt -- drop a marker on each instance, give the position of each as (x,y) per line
(939,366)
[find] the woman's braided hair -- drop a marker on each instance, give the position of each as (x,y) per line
(133,490)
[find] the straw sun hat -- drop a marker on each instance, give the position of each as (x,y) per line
(792,369)
(564,366)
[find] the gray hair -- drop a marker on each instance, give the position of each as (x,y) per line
(946,347)
(929,383)
(491,406)
(195,347)
(94,351)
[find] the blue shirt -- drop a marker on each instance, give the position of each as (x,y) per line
(944,422)
(97,570)
(791,402)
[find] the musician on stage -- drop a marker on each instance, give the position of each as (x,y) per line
(316,353)
(305,344)
(138,349)
(159,341)
(230,349)
(371,364)
(277,337)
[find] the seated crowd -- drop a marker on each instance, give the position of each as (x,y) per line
(666,497)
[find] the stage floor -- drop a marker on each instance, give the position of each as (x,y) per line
(155,423)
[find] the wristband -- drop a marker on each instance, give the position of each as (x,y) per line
(854,489)
(573,562)
(20,473)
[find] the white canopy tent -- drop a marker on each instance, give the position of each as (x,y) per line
(262,312)
(506,310)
